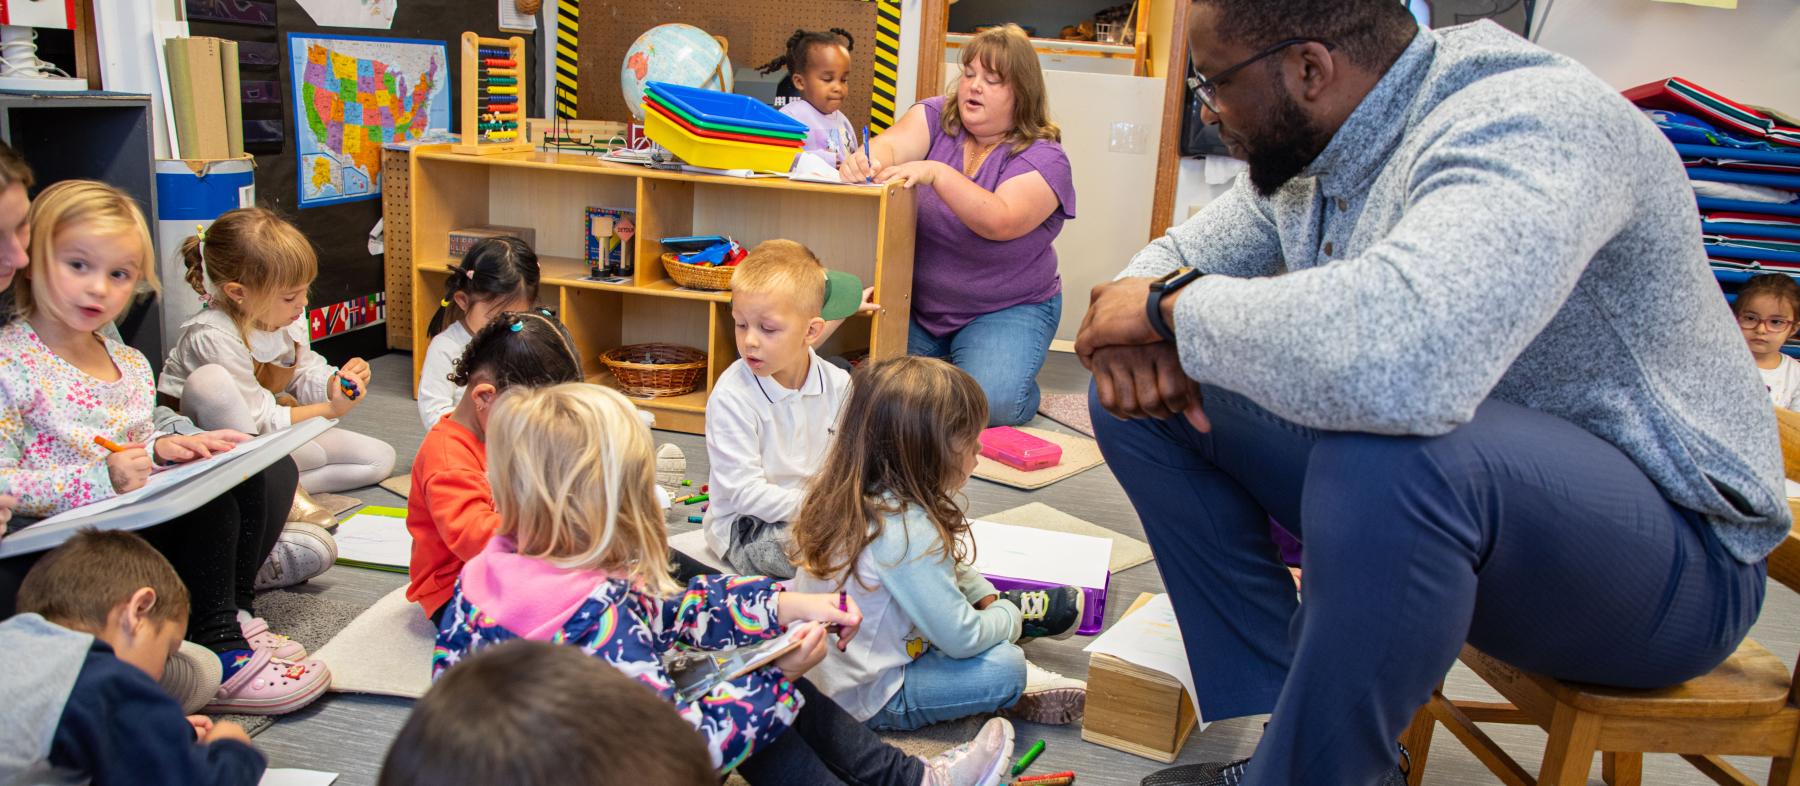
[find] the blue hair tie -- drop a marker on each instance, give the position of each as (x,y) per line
(518,325)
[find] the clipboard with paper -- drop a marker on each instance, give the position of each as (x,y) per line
(169,493)
(697,672)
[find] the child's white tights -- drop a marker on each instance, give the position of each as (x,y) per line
(336,460)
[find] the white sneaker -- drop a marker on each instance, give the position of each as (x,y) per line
(192,676)
(671,468)
(1049,698)
(978,762)
(303,551)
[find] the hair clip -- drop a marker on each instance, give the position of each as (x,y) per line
(469,273)
(518,325)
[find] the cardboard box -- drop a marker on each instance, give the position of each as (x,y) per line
(462,239)
(197,96)
(234,97)
(1134,709)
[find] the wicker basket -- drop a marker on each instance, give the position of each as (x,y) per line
(717,278)
(656,369)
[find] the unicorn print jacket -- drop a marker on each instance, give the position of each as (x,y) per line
(503,595)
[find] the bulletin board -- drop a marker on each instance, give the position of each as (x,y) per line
(348,273)
(757,30)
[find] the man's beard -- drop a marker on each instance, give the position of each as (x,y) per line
(1288,143)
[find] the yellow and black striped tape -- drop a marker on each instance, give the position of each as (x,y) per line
(568,68)
(887,65)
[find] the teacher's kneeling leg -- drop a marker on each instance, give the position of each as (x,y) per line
(1518,532)
(1003,351)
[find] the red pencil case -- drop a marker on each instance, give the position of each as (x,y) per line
(1018,449)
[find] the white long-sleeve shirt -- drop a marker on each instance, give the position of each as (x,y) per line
(211,337)
(764,442)
(437,394)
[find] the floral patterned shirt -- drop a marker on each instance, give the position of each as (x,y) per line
(631,629)
(50,412)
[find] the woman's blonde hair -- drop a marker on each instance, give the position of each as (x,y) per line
(102,210)
(573,477)
(253,248)
(906,432)
(1007,52)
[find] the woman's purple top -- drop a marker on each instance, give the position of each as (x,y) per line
(959,275)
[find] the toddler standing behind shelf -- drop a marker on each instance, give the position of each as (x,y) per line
(246,361)
(880,522)
(818,71)
(579,559)
(1766,309)
(497,275)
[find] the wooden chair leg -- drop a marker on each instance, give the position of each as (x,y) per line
(1783,772)
(1569,755)
(1418,739)
(1622,769)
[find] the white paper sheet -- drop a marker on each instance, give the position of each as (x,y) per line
(1040,554)
(1793,489)
(514,21)
(1150,638)
(374,14)
(289,777)
(693,544)
(374,540)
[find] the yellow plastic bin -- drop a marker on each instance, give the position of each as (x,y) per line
(717,153)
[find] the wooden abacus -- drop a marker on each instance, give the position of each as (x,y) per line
(493,89)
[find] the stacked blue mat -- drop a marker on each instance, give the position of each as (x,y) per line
(1743,237)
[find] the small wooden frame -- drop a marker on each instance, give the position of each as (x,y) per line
(493,96)
(1134,709)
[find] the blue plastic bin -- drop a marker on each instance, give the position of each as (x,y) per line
(715,107)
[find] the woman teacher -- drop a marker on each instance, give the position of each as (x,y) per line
(997,189)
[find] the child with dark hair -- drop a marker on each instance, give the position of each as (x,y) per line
(818,73)
(98,619)
(539,726)
(496,276)
(1766,308)
(450,510)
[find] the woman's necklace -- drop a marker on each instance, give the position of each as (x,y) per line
(972,163)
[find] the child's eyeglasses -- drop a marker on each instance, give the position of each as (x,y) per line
(1774,324)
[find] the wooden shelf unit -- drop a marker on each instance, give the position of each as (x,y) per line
(865,231)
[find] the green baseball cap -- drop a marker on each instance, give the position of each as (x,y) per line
(843,295)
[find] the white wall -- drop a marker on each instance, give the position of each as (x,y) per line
(1751,54)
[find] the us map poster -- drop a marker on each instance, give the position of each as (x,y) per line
(351,96)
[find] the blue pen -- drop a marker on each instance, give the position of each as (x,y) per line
(869,178)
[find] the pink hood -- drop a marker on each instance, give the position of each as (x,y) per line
(526,595)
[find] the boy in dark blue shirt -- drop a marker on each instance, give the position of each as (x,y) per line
(98,618)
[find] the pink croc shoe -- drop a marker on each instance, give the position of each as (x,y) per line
(271,686)
(256,631)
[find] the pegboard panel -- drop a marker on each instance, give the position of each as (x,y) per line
(396,223)
(758,31)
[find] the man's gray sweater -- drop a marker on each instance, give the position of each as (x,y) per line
(1492,221)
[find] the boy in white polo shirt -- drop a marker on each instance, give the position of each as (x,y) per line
(773,412)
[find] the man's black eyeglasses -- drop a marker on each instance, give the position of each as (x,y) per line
(1208,89)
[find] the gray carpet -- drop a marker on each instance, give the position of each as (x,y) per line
(349,734)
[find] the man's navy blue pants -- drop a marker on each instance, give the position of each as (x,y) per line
(1517,532)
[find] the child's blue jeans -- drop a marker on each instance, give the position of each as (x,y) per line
(940,688)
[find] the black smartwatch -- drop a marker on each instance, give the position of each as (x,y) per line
(1162,288)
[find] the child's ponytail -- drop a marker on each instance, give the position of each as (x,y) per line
(800,44)
(494,267)
(192,259)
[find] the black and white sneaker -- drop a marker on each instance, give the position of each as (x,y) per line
(1231,773)
(1052,613)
